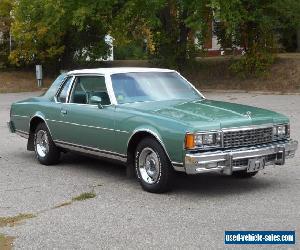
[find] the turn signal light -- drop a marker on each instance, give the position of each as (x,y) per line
(189,141)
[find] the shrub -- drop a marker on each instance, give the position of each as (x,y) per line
(253,64)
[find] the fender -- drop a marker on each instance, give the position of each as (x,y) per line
(40,116)
(154,133)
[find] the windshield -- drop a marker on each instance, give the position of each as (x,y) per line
(151,86)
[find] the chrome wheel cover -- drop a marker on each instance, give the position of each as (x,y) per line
(41,143)
(149,165)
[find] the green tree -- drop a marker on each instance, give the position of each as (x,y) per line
(68,31)
(255,26)
(288,23)
(5,24)
(52,31)
(169,26)
(38,31)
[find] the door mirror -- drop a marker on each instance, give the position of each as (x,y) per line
(96,100)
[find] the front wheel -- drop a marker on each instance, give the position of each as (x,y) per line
(153,167)
(45,150)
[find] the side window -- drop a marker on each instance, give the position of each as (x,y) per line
(87,89)
(63,93)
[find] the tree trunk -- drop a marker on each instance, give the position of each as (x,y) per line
(182,46)
(298,40)
(183,41)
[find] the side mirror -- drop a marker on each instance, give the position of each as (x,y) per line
(97,101)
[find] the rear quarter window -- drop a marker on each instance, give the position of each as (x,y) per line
(50,93)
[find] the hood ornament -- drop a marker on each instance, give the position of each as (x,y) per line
(248,114)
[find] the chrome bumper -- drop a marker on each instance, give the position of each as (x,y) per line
(237,159)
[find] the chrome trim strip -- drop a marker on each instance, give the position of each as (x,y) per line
(91,150)
(89,105)
(22,133)
(87,126)
(252,127)
(22,116)
(178,166)
(191,85)
(84,104)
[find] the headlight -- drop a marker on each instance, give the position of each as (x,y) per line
(202,140)
(281,131)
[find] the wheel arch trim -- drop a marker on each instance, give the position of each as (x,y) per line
(30,144)
(150,132)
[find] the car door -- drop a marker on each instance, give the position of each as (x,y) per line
(53,109)
(89,125)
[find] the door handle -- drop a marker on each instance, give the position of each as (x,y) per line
(63,111)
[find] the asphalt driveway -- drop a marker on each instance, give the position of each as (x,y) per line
(122,216)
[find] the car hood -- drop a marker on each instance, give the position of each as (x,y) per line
(209,114)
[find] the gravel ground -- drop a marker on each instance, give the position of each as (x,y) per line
(122,216)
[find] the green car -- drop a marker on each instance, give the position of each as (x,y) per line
(154,121)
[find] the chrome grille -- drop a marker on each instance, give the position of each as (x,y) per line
(247,137)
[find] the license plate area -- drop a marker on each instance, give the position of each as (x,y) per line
(256,164)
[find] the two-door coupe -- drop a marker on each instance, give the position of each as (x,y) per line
(153,120)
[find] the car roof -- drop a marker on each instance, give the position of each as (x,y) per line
(117,70)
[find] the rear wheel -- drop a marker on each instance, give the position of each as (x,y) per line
(45,150)
(243,174)
(153,168)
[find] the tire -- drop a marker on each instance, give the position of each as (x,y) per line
(243,174)
(45,150)
(153,167)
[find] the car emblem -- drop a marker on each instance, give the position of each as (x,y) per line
(248,114)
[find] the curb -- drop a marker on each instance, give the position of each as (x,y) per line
(234,91)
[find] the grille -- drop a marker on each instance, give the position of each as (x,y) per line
(247,137)
(241,162)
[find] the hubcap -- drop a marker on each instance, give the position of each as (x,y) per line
(42,143)
(149,165)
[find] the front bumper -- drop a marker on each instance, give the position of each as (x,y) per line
(228,161)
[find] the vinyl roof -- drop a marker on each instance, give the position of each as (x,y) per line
(117,70)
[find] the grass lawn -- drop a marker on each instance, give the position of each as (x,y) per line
(206,74)
(214,73)
(19,81)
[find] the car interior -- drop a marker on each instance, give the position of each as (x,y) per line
(87,86)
